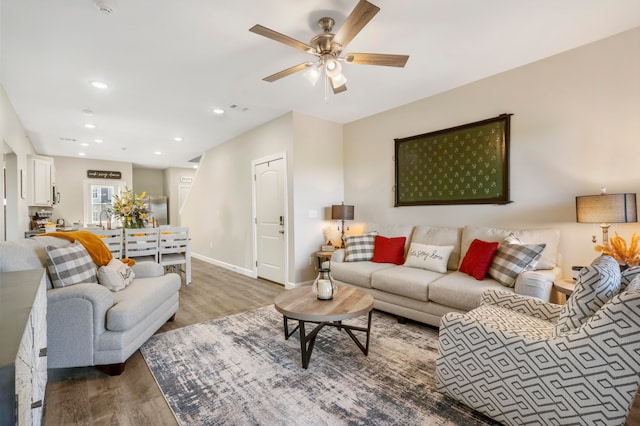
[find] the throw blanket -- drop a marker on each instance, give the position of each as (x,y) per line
(98,251)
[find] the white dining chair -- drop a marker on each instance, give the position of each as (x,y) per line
(174,249)
(112,238)
(141,244)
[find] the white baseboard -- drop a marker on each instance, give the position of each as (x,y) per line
(234,268)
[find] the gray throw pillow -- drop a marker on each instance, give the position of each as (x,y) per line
(512,259)
(360,247)
(70,265)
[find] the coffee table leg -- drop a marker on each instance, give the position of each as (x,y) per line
(364,348)
(286,328)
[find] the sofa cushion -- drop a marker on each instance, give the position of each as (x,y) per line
(596,285)
(440,236)
(549,237)
(115,275)
(390,230)
(512,259)
(70,265)
(478,258)
(139,299)
(461,291)
(389,250)
(424,256)
(356,273)
(359,247)
(408,282)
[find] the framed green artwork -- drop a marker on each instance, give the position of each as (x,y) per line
(466,164)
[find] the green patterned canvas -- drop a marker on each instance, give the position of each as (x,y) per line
(462,165)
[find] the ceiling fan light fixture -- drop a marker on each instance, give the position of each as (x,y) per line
(313,74)
(332,67)
(339,80)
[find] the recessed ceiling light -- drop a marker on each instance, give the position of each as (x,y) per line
(82,154)
(195,166)
(177,139)
(157,153)
(218,111)
(84,144)
(100,85)
(98,140)
(90,126)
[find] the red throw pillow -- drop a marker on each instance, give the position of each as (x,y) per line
(478,258)
(389,250)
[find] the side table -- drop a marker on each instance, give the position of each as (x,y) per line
(322,256)
(564,286)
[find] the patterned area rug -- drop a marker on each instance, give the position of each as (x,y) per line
(240,370)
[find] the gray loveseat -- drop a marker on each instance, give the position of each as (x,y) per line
(424,295)
(89,325)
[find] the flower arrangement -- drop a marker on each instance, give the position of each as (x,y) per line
(617,248)
(130,208)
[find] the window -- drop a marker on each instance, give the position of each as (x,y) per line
(99,197)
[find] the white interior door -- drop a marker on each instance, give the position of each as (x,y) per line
(270,220)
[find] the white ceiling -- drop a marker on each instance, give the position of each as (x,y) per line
(169,63)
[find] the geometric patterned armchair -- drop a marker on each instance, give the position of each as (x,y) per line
(521,361)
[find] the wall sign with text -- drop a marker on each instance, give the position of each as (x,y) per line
(104,174)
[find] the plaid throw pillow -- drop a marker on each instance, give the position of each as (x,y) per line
(512,259)
(360,247)
(70,265)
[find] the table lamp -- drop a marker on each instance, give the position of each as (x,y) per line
(341,212)
(606,209)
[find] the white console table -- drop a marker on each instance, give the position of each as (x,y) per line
(23,352)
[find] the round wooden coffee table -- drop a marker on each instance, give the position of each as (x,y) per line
(302,305)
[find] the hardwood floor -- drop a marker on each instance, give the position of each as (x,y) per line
(86,396)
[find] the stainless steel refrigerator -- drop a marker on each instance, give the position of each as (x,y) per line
(159,209)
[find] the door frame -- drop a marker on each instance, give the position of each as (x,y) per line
(254,217)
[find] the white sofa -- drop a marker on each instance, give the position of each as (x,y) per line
(89,325)
(425,296)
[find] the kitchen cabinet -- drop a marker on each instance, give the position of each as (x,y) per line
(41,181)
(23,353)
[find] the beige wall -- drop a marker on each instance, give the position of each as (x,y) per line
(150,181)
(71,174)
(219,207)
(172,183)
(18,146)
(317,184)
(575,129)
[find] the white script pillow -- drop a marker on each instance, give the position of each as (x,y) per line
(424,256)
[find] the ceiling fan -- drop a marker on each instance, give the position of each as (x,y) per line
(328,48)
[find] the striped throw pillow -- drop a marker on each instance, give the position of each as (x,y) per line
(512,259)
(70,265)
(360,247)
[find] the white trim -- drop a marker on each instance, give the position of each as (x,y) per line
(234,268)
(254,163)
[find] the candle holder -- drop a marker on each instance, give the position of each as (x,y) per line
(324,287)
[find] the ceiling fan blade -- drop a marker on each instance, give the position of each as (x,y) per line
(338,89)
(281,38)
(377,59)
(288,71)
(359,17)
